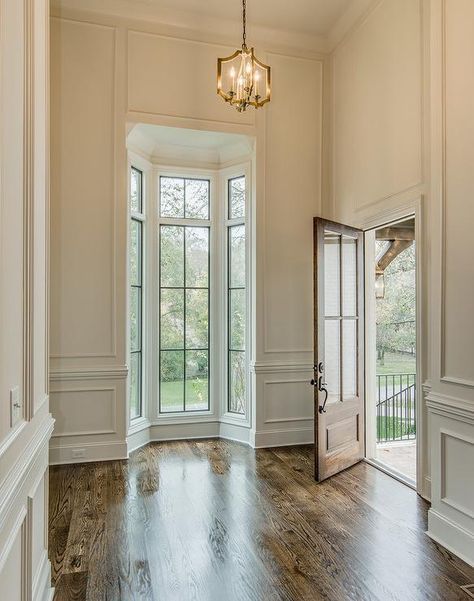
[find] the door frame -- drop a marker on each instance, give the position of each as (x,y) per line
(412,208)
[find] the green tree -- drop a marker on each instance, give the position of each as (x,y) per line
(395,313)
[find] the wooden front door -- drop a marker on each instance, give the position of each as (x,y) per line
(338,347)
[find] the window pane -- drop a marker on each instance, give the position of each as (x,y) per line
(237,382)
(237,319)
(135,319)
(171,197)
(135,384)
(197,257)
(172,255)
(197,199)
(349,358)
(332,359)
(197,319)
(236,197)
(197,377)
(172,318)
(349,276)
(135,190)
(171,381)
(332,273)
(135,252)
(237,256)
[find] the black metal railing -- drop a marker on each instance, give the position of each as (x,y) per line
(396,407)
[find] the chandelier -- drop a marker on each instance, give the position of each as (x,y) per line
(243,80)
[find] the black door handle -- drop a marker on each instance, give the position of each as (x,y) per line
(322,388)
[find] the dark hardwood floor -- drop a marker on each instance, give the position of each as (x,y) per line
(217,521)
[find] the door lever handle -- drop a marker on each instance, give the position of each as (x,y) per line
(322,388)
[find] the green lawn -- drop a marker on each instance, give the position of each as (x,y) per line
(396,363)
(172,395)
(389,428)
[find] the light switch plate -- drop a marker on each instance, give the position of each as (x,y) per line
(15,406)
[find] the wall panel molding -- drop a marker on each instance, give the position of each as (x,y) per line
(444,376)
(106,372)
(109,350)
(90,413)
(268,408)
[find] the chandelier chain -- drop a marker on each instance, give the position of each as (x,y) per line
(244,23)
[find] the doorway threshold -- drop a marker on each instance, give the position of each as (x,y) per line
(380,465)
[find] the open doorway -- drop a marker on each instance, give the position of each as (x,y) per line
(391,336)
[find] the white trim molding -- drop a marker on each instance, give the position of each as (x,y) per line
(451,407)
(112,372)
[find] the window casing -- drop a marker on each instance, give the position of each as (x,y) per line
(136,272)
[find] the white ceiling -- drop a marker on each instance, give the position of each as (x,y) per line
(161,143)
(314,17)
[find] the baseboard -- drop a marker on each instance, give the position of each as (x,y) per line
(453,537)
(92,451)
(138,439)
(235,432)
(281,438)
(186,431)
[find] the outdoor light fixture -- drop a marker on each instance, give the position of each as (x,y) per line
(243,80)
(379,285)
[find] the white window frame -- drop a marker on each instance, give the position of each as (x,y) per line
(138,162)
(212,223)
(229,173)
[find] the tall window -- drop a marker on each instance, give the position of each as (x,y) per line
(136,291)
(236,295)
(184,294)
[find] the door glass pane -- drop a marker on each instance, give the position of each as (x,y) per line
(171,197)
(197,257)
(237,197)
(197,380)
(349,358)
(332,358)
(171,381)
(197,199)
(237,256)
(172,255)
(237,381)
(172,318)
(197,319)
(349,276)
(332,273)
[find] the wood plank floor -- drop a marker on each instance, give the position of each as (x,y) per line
(218,521)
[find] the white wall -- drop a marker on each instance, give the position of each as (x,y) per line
(108,72)
(392,148)
(24,182)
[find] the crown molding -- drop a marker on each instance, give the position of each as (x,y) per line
(191,25)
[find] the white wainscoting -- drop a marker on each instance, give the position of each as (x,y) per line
(451,517)
(25,571)
(90,421)
(284,404)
